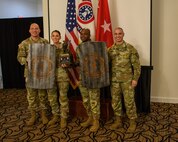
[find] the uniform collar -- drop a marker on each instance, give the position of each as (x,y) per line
(123,45)
(34,40)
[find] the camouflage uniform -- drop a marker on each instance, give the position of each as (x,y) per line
(53,99)
(63,85)
(33,95)
(125,67)
(91,97)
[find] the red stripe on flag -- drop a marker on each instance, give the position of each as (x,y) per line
(74,78)
(72,36)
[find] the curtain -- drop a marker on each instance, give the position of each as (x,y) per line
(12,32)
(1,81)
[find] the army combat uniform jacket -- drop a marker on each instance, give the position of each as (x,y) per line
(125,67)
(23,50)
(125,64)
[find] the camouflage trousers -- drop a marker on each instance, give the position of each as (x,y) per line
(119,88)
(53,99)
(37,99)
(63,99)
(91,101)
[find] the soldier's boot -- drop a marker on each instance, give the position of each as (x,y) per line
(88,122)
(54,120)
(117,123)
(44,117)
(63,123)
(132,126)
(95,126)
(32,119)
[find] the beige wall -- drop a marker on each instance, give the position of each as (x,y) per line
(124,13)
(165,50)
(45,18)
(132,16)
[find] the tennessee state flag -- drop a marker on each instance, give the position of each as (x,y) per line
(85,17)
(104,27)
(79,14)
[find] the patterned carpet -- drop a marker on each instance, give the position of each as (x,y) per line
(161,125)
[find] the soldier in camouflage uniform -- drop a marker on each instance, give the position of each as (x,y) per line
(61,78)
(34,96)
(91,97)
(125,69)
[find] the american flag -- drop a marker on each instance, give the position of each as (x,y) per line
(72,35)
(71,27)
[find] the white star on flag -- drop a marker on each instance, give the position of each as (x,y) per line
(106,26)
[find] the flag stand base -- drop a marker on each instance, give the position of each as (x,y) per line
(76,108)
